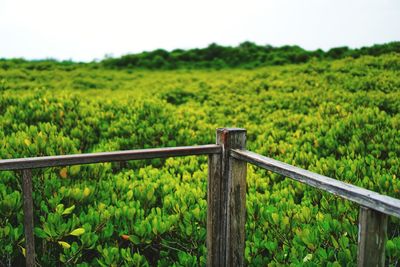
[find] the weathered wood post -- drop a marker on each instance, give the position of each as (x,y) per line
(226,200)
(28,217)
(372,233)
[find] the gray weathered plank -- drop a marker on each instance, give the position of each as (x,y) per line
(28,218)
(236,213)
(64,160)
(226,202)
(364,197)
(214,210)
(372,234)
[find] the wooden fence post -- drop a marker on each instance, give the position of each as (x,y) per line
(372,233)
(226,200)
(28,218)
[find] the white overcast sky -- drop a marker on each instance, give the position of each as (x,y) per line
(85,30)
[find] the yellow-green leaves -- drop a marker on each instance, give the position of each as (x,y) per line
(307,258)
(86,191)
(305,214)
(333,118)
(65,245)
(334,242)
(129,195)
(150,194)
(275,218)
(27,142)
(196,213)
(77,232)
(23,250)
(39,232)
(74,170)
(68,210)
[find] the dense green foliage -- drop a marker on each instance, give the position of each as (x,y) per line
(246,55)
(339,118)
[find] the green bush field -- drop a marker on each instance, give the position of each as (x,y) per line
(334,115)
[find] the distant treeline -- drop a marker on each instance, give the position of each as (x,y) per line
(245,55)
(43,64)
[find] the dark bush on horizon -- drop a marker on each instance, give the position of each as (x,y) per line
(246,55)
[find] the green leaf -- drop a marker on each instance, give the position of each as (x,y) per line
(390,245)
(64,244)
(77,232)
(101,263)
(129,195)
(271,246)
(62,258)
(86,192)
(150,194)
(308,257)
(189,230)
(23,251)
(196,213)
(39,232)
(60,208)
(322,253)
(334,242)
(275,218)
(74,169)
(135,240)
(108,230)
(344,242)
(68,210)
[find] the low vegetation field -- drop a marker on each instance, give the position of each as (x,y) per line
(339,118)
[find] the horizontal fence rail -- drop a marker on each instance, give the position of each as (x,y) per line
(78,159)
(26,164)
(364,197)
(226,195)
(374,209)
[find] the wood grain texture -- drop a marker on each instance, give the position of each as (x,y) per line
(214,210)
(372,234)
(227,193)
(66,160)
(364,197)
(236,213)
(28,218)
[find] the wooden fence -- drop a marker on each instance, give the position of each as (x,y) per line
(226,195)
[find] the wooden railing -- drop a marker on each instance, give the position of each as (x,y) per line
(226,195)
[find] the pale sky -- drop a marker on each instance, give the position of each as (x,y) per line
(84,30)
